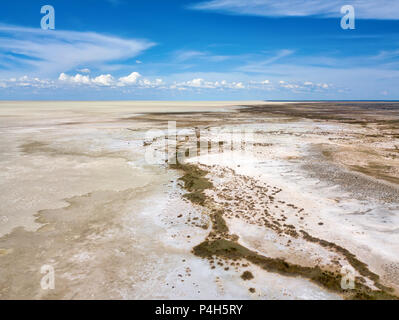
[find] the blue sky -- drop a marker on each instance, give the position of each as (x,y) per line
(199,50)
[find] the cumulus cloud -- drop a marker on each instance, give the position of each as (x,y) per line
(135,81)
(107,80)
(200,83)
(33,50)
(289,85)
(84,70)
(78,78)
(306,86)
(263,85)
(365,9)
(26,81)
(104,80)
(130,79)
(152,84)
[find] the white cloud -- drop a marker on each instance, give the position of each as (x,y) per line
(200,83)
(25,81)
(365,9)
(182,56)
(107,80)
(152,84)
(187,55)
(130,79)
(63,77)
(47,53)
(238,85)
(290,85)
(306,86)
(135,81)
(78,78)
(104,80)
(279,55)
(84,70)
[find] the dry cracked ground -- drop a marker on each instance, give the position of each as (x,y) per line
(204,200)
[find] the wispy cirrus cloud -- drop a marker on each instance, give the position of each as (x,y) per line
(49,52)
(190,55)
(277,56)
(365,9)
(184,55)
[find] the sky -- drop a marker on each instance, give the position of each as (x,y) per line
(199,50)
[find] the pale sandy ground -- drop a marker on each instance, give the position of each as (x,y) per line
(76,193)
